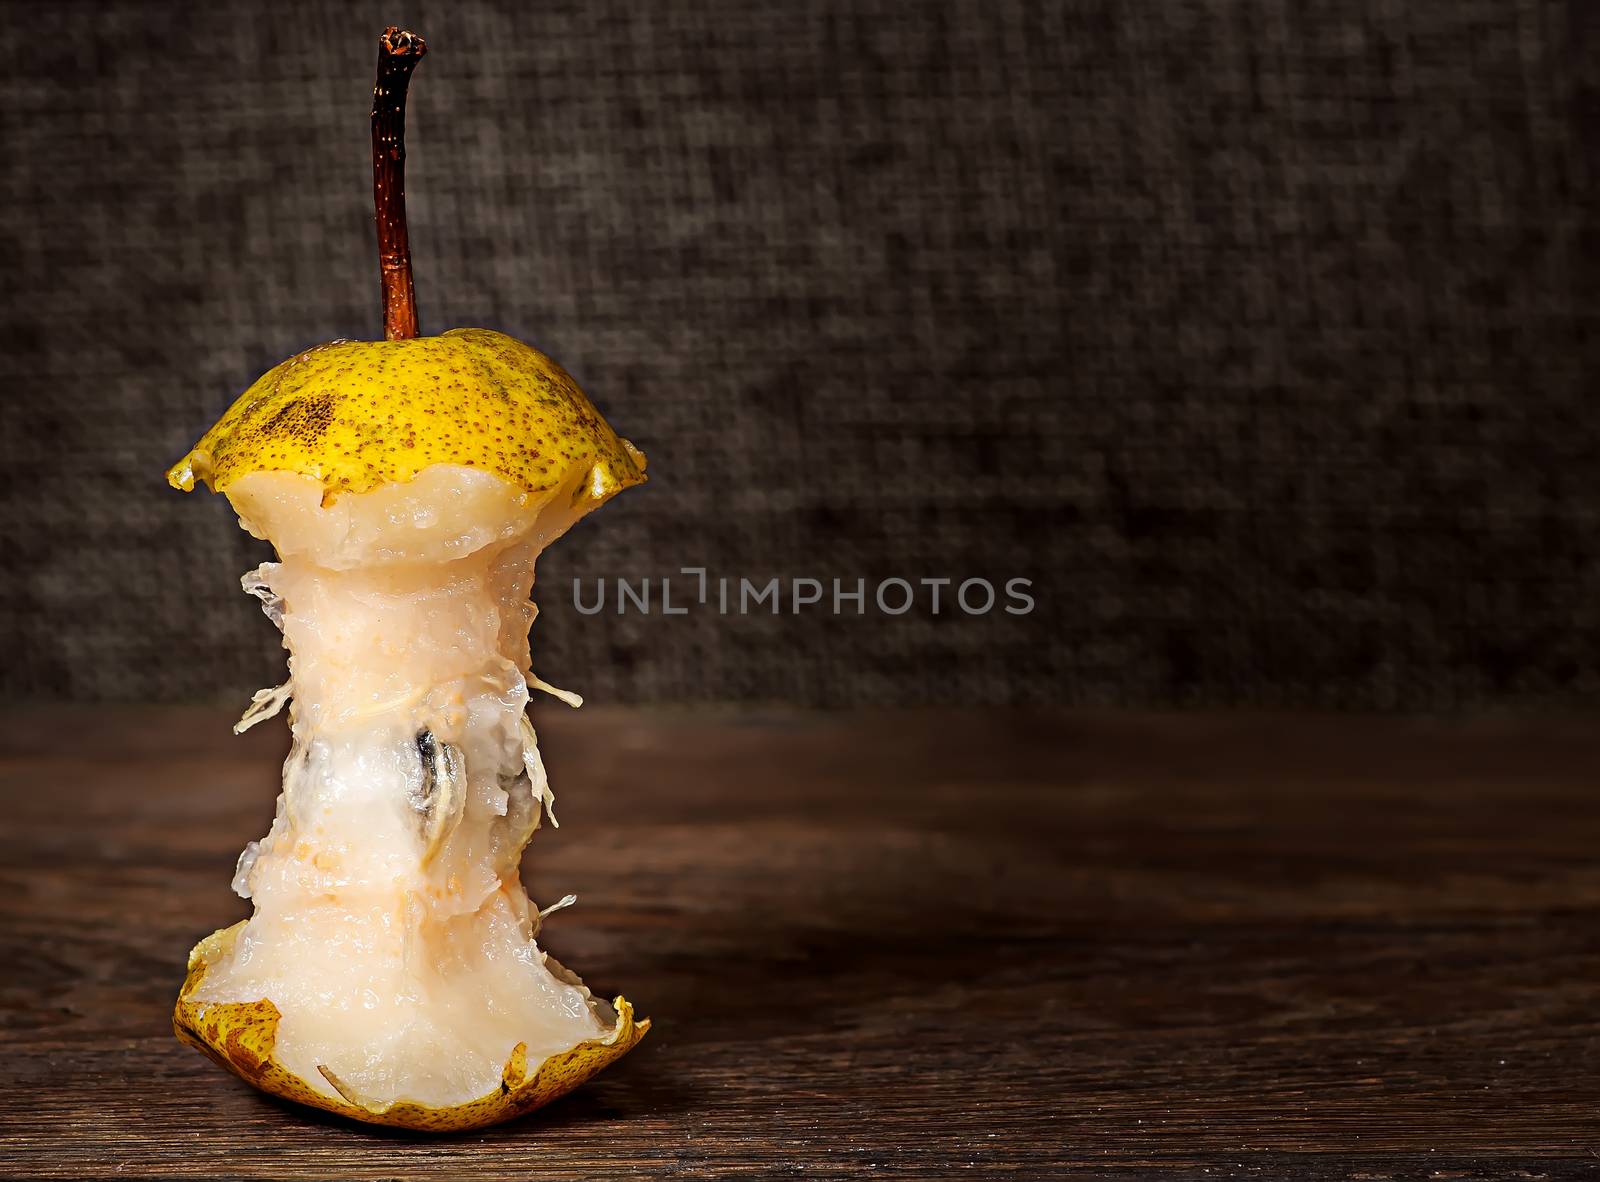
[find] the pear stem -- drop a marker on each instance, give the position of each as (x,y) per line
(399,52)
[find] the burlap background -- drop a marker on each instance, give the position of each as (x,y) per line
(1255,332)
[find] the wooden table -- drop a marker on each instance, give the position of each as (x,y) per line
(929,945)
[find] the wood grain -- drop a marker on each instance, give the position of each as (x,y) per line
(928,945)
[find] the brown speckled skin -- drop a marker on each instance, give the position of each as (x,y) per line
(358,414)
(240,1037)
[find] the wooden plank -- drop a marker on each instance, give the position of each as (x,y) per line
(938,944)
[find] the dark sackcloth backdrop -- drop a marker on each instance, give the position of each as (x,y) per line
(1255,333)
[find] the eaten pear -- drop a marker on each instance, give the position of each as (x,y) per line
(391,969)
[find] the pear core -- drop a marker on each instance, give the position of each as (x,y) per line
(391,932)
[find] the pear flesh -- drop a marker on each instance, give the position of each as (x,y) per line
(391,929)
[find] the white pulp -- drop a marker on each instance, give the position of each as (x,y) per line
(391,928)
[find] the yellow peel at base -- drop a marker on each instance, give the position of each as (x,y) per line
(240,1037)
